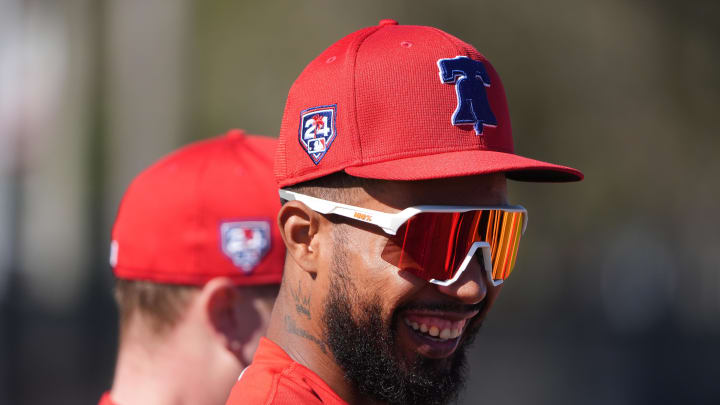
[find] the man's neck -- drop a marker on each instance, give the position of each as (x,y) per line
(143,375)
(161,370)
(296,330)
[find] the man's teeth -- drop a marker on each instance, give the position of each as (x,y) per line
(434,331)
(446,334)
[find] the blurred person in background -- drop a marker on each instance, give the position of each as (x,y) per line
(198,261)
(396,221)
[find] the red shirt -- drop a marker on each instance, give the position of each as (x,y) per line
(274,378)
(105,400)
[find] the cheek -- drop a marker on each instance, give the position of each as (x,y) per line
(492,295)
(374,277)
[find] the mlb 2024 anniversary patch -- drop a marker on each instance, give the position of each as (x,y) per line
(245,242)
(317,130)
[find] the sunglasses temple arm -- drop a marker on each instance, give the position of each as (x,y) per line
(318,204)
(377,218)
(382,219)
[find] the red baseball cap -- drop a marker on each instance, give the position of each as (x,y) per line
(401,102)
(206,210)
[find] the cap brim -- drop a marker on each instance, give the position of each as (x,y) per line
(466,163)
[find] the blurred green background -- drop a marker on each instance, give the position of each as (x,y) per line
(616,298)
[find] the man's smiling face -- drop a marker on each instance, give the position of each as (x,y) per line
(399,338)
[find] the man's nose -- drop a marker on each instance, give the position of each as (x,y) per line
(471,287)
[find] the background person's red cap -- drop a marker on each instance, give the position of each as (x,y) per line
(206,210)
(401,102)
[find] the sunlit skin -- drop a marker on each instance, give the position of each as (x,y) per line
(296,322)
(196,361)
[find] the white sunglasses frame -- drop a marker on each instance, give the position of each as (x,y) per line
(391,222)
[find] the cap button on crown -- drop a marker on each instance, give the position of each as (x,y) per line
(387,21)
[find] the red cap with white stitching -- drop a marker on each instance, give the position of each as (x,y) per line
(401,102)
(206,210)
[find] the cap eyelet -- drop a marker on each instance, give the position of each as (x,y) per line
(406,44)
(331,59)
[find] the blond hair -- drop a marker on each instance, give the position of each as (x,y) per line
(162,305)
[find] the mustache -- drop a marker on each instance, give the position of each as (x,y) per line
(442,306)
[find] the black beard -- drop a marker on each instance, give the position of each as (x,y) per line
(364,349)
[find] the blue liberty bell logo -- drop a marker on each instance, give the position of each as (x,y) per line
(470,79)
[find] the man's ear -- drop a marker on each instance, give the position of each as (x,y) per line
(299,227)
(232,316)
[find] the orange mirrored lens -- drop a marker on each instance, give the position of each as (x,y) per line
(433,245)
(503,232)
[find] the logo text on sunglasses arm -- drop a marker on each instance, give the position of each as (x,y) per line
(362,217)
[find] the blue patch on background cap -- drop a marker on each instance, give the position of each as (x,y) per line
(245,242)
(317,130)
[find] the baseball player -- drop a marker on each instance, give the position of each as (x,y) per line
(393,160)
(198,260)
